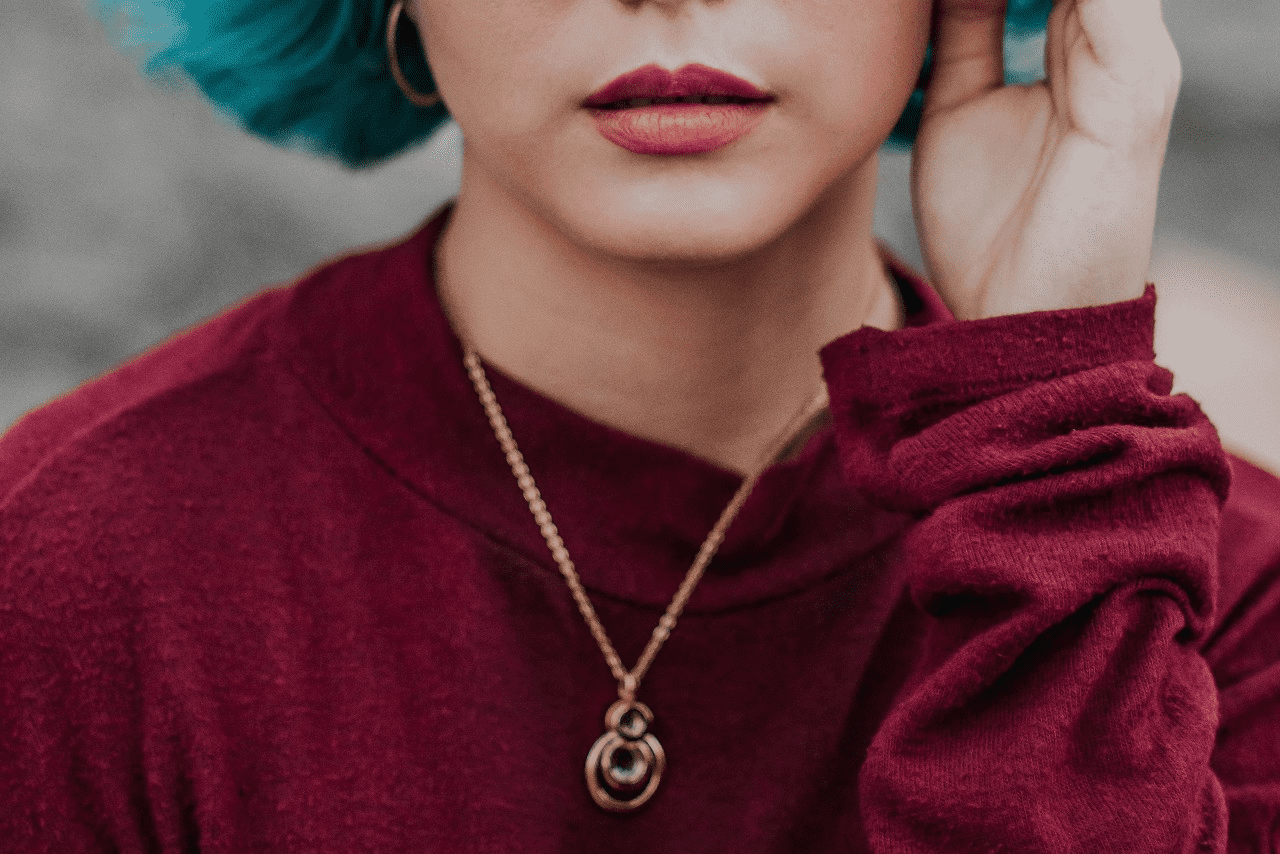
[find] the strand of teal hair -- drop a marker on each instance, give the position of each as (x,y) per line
(294,49)
(1027,16)
(313,74)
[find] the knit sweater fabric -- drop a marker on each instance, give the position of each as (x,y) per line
(271,586)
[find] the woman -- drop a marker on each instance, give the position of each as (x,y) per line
(374,561)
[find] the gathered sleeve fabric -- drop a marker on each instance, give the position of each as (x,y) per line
(1244,652)
(1068,513)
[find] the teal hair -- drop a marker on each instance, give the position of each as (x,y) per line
(314,74)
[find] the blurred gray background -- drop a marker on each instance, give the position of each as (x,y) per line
(128,212)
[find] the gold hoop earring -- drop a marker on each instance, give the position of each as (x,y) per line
(414,96)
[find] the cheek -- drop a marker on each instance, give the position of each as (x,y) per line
(489,57)
(871,58)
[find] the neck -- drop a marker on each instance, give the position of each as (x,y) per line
(714,359)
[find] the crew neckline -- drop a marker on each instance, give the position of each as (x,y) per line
(368,336)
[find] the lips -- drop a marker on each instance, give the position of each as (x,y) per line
(693,111)
(690,82)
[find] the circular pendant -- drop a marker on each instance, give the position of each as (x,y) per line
(626,763)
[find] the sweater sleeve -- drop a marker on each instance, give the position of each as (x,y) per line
(1066,556)
(1244,654)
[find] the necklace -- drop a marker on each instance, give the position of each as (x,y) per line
(625,764)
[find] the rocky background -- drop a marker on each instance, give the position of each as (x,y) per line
(128,212)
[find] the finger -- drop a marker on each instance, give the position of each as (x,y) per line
(968,55)
(1128,40)
(1127,36)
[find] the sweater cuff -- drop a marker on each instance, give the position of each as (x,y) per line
(926,413)
(969,360)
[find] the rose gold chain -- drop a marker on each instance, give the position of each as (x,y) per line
(628,681)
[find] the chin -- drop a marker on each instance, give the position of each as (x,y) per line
(676,223)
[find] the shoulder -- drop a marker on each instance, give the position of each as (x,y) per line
(111,483)
(96,473)
(89,433)
(188,380)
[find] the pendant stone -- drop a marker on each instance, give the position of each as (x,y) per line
(626,763)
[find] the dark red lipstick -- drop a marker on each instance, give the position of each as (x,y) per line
(692,81)
(690,111)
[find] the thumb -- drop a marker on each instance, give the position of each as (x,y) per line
(968,52)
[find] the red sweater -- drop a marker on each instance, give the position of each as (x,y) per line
(272,586)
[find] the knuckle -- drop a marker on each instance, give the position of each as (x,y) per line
(1154,89)
(1174,69)
(1167,64)
(1166,82)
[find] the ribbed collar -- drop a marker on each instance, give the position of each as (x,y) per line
(368,336)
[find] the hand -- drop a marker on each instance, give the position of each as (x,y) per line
(1030,198)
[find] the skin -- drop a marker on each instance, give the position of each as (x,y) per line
(684,299)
